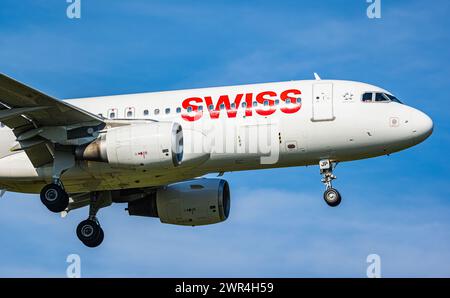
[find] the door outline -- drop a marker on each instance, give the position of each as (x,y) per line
(316,105)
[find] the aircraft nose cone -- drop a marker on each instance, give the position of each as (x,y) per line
(423,126)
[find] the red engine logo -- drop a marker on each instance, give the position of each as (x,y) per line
(142,154)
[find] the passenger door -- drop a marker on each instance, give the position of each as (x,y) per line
(322,102)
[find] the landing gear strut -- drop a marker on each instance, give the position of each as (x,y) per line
(53,195)
(331,196)
(89,231)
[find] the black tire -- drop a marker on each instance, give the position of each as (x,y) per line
(96,242)
(332,197)
(90,233)
(54,197)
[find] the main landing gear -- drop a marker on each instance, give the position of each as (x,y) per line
(331,196)
(89,231)
(54,197)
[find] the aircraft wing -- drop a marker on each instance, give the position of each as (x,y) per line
(31,114)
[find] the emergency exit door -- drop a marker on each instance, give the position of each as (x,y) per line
(322,102)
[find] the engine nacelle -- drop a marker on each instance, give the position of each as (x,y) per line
(155,144)
(190,203)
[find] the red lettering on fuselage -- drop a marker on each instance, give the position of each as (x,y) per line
(265,104)
(191,106)
(223,103)
(289,96)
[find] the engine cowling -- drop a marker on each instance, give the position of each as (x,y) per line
(190,203)
(155,144)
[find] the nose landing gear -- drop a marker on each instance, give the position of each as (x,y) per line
(331,196)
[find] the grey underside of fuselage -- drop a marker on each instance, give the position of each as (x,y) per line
(104,177)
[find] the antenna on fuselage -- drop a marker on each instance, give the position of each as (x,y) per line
(316,76)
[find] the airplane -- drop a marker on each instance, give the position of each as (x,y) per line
(152,151)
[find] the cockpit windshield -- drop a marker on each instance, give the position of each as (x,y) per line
(393,98)
(379,97)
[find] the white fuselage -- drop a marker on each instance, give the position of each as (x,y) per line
(270,125)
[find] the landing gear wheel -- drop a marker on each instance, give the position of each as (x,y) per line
(54,197)
(90,233)
(332,197)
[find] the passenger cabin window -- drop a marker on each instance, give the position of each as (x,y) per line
(145,112)
(167,111)
(156,111)
(112,113)
(178,110)
(129,112)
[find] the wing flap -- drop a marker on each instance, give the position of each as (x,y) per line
(39,155)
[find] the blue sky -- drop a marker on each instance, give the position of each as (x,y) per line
(397,206)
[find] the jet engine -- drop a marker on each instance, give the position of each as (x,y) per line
(155,144)
(190,203)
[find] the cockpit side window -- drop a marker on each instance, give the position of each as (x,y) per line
(381,97)
(367,96)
